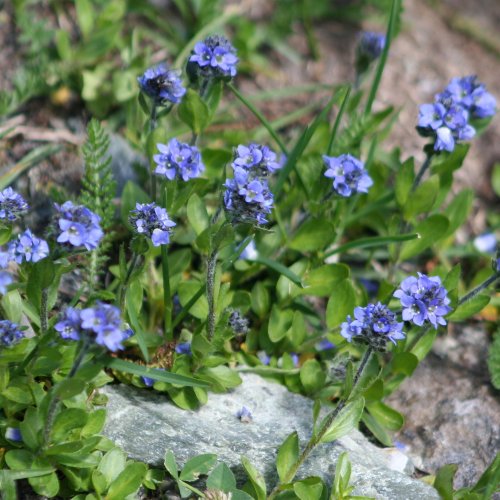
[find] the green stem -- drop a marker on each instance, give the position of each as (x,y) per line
(337,121)
(44,313)
(316,438)
(259,116)
(425,166)
(123,289)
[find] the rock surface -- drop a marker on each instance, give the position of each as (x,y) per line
(145,424)
(453,412)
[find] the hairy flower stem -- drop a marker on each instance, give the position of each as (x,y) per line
(327,423)
(54,404)
(211,268)
(123,289)
(44,313)
(463,300)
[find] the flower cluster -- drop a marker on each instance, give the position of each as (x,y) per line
(9,333)
(447,118)
(261,159)
(247,197)
(215,57)
(25,248)
(177,159)
(78,226)
(423,299)
(12,205)
(471,95)
(373,325)
(152,221)
(348,173)
(369,48)
(238,323)
(162,84)
(102,323)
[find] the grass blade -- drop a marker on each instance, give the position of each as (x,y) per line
(337,120)
(395,8)
(280,268)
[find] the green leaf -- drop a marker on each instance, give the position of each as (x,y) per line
(424,345)
(309,489)
(423,198)
(221,478)
(495,179)
(404,181)
(66,421)
(453,278)
(19,459)
(197,214)
(47,486)
(69,387)
(171,464)
(458,210)
(256,478)
(133,303)
(312,376)
(378,430)
(112,464)
(260,299)
(385,415)
(142,371)
(279,323)
(128,481)
(313,235)
(198,465)
(187,291)
(85,16)
(347,420)
(469,308)
(431,230)
(41,276)
(444,481)
(280,268)
(324,279)
(31,428)
(447,163)
(372,241)
(341,303)
(494,361)
(194,112)
(404,362)
(489,480)
(288,453)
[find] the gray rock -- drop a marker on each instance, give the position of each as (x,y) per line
(453,413)
(146,424)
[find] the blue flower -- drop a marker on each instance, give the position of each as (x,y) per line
(12,205)
(256,157)
(101,322)
(152,221)
(78,226)
(247,197)
(177,159)
(447,122)
(13,434)
(28,248)
(264,358)
(5,281)
(348,173)
(162,84)
(295,358)
(245,415)
(9,333)
(324,345)
(371,45)
(215,57)
(373,325)
(423,299)
(485,243)
(69,327)
(148,381)
(183,348)
(238,323)
(249,252)
(471,95)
